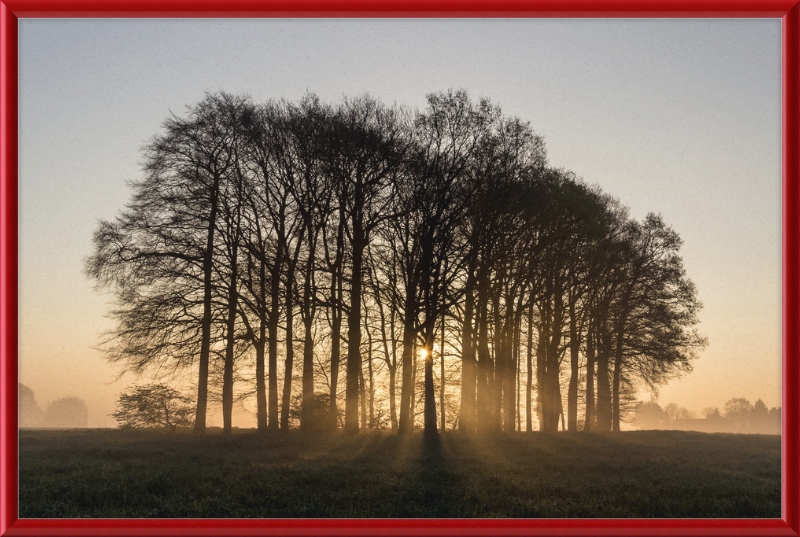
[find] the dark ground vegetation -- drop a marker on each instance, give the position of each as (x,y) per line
(148,474)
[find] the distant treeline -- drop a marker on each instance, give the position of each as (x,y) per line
(67,412)
(432,252)
(739,416)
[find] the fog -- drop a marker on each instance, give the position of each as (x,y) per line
(616,100)
(65,413)
(738,416)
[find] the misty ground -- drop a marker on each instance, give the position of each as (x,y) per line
(651,474)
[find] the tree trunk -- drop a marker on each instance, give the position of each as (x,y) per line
(618,358)
(510,389)
(273,369)
(393,396)
(412,404)
(288,370)
(354,361)
(547,359)
(227,375)
(274,319)
(337,295)
(552,377)
(603,387)
(572,393)
(407,389)
(233,224)
(615,385)
(506,383)
(391,363)
(541,369)
(529,381)
(308,341)
(588,423)
(205,324)
(485,362)
(291,270)
(442,380)
(362,392)
(497,376)
(261,381)
(371,422)
(517,353)
(430,401)
(518,374)
(615,421)
(466,417)
(261,384)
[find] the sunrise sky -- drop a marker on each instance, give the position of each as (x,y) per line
(679,117)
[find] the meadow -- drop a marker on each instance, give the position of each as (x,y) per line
(103,473)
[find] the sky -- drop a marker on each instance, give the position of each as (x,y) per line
(680,117)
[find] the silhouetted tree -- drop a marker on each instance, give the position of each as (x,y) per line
(388,230)
(737,412)
(368,147)
(759,417)
(655,310)
(438,192)
(159,256)
(67,411)
(672,410)
(30,414)
(775,419)
(154,405)
(650,415)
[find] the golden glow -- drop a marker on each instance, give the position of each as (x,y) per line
(423,353)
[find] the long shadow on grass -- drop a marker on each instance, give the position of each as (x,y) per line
(429,487)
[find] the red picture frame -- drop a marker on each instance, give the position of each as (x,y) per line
(12,10)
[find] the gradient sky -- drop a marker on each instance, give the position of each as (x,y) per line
(680,117)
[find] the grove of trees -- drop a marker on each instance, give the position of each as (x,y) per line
(64,412)
(427,269)
(739,416)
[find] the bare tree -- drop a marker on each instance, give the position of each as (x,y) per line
(387,232)
(368,143)
(159,255)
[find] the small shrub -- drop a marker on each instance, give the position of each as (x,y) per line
(154,405)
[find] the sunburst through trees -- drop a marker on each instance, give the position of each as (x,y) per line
(379,240)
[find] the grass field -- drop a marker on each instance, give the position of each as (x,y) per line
(650,474)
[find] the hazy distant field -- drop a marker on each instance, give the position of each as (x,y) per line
(113,473)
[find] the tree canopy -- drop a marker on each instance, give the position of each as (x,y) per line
(380,240)
(154,405)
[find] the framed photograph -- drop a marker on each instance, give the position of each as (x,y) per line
(183,184)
